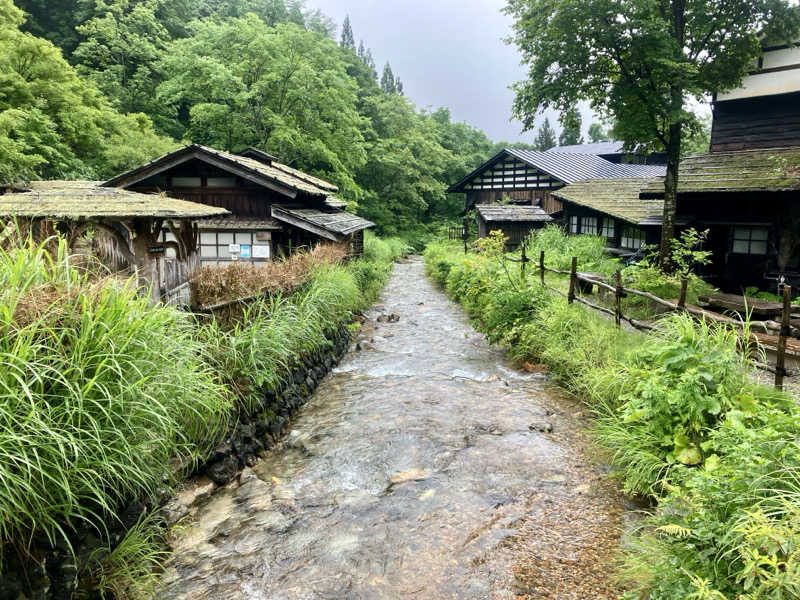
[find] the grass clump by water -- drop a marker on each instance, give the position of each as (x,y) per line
(257,352)
(98,392)
(681,421)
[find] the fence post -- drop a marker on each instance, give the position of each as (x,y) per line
(573,280)
(618,294)
(684,288)
(541,266)
(780,362)
(524,260)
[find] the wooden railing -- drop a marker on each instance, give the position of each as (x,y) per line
(620,291)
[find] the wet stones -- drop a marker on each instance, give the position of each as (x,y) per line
(255,433)
(542,427)
(392,318)
(223,470)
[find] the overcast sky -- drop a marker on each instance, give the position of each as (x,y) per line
(447,53)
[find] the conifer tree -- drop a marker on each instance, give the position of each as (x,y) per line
(370,62)
(545,136)
(398,86)
(388,84)
(348,41)
(362,53)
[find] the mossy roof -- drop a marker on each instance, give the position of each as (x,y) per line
(493,213)
(80,200)
(336,223)
(762,170)
(616,197)
(285,176)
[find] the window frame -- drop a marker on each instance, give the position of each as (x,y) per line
(631,233)
(608,224)
(588,223)
(749,240)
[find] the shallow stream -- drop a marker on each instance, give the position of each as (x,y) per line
(424,466)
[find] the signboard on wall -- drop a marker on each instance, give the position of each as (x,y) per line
(260,251)
(244,251)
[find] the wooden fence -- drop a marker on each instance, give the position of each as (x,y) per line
(587,280)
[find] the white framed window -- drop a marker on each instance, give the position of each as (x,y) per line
(632,238)
(573,224)
(589,225)
(607,229)
(750,240)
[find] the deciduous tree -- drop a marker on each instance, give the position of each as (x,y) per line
(639,61)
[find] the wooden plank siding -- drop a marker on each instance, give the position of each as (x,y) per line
(536,197)
(763,122)
(515,232)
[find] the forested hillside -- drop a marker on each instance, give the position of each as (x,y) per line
(92,87)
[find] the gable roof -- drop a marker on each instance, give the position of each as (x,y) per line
(78,200)
(509,212)
(333,225)
(616,197)
(276,176)
(564,166)
(762,170)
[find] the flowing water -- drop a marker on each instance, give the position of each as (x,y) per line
(424,466)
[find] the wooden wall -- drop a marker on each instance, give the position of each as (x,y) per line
(515,232)
(765,122)
(543,198)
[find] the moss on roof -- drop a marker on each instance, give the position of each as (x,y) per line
(615,197)
(274,172)
(78,200)
(762,170)
(508,212)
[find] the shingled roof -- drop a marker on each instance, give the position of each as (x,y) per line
(81,200)
(332,225)
(493,213)
(279,177)
(762,170)
(616,197)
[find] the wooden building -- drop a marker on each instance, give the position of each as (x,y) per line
(516,222)
(614,209)
(744,192)
(527,178)
(274,209)
(126,227)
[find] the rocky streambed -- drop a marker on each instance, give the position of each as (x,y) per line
(423,466)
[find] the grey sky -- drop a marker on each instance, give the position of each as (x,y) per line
(447,53)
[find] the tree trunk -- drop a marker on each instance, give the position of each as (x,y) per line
(671,186)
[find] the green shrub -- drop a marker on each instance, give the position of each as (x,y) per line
(559,248)
(98,391)
(682,422)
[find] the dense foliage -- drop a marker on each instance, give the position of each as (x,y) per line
(53,124)
(683,424)
(230,74)
(91,411)
(102,395)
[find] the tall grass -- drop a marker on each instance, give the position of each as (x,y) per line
(682,423)
(98,392)
(257,352)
